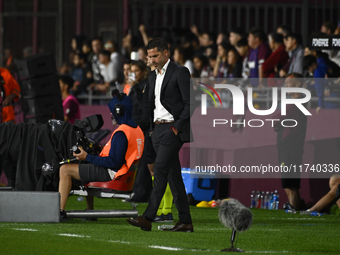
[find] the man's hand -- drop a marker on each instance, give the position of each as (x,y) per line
(82,155)
(8,100)
(282,73)
(174,130)
(318,109)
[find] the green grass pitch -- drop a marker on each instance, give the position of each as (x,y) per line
(272,232)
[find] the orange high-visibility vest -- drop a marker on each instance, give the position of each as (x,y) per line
(134,150)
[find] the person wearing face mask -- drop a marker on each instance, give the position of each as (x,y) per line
(124,147)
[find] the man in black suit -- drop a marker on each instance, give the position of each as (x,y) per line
(170,104)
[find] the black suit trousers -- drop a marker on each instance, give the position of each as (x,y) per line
(167,168)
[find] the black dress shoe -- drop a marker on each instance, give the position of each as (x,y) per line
(181,227)
(141,222)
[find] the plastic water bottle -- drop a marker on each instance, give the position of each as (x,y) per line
(266,200)
(258,200)
(262,199)
(311,213)
(277,200)
(252,199)
(270,201)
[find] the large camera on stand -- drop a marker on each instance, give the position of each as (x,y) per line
(89,124)
(82,129)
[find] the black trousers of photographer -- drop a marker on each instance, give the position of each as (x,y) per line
(167,168)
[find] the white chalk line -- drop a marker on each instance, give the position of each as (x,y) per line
(165,248)
(25,229)
(73,235)
(266,252)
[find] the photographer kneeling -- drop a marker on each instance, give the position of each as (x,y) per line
(124,147)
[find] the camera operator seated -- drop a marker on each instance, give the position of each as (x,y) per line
(124,147)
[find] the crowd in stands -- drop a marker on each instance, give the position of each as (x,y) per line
(100,66)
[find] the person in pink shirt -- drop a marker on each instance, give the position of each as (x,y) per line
(70,103)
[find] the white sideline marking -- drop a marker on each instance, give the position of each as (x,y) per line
(73,235)
(263,229)
(165,248)
(25,229)
(267,252)
(117,241)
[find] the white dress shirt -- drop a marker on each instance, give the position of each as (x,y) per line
(160,113)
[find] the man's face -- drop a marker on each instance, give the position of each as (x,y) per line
(271,42)
(126,70)
(103,59)
(252,41)
(96,46)
(76,60)
(234,38)
(290,43)
(205,41)
(292,82)
(158,58)
(325,30)
(63,86)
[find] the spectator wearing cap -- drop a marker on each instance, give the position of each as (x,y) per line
(276,60)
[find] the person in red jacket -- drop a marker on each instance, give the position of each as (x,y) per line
(9,92)
(275,61)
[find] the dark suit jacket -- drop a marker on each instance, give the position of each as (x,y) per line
(177,97)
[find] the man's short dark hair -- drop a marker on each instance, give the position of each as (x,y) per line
(286,29)
(105,53)
(87,43)
(67,80)
(259,33)
(329,25)
(81,56)
(278,38)
(242,42)
(158,43)
(296,36)
(238,30)
(98,38)
(308,61)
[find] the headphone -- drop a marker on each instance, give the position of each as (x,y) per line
(119,108)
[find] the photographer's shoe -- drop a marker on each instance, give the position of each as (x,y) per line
(63,217)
